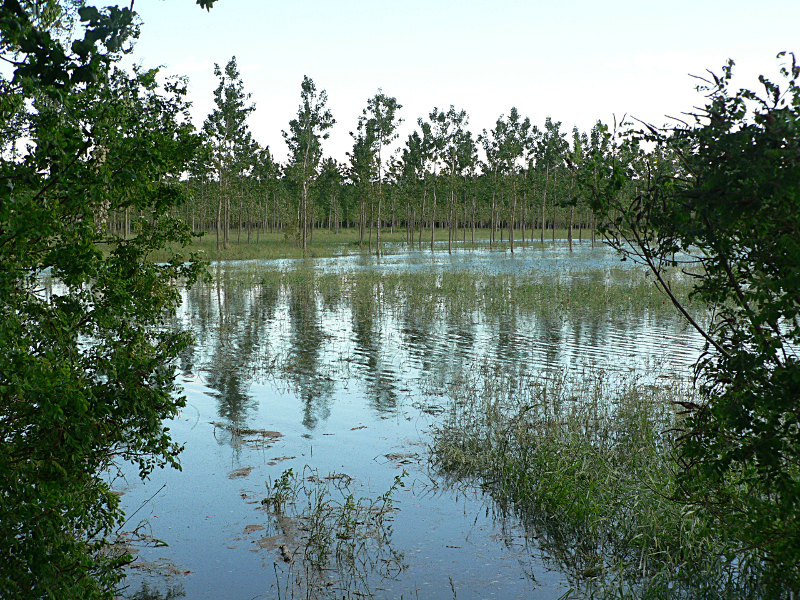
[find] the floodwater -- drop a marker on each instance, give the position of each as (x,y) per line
(332,374)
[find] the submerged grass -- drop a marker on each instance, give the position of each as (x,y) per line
(335,543)
(587,465)
(607,289)
(326,243)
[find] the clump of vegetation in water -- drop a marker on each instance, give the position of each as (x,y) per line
(146,592)
(464,291)
(334,543)
(587,466)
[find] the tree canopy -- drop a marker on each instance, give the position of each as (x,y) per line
(85,372)
(720,196)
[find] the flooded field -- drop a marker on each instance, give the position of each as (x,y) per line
(317,394)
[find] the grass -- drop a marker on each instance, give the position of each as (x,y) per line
(587,465)
(326,244)
(335,544)
(614,290)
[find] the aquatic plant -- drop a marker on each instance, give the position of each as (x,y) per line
(334,543)
(586,463)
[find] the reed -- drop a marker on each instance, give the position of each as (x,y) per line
(586,464)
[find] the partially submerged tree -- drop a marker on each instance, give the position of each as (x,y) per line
(380,117)
(361,171)
(551,149)
(329,191)
(412,169)
(457,153)
(304,139)
(231,140)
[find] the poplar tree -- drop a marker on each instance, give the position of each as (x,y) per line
(434,134)
(412,168)
(329,185)
(576,162)
(380,116)
(226,128)
(362,166)
(304,139)
(506,145)
(550,155)
(457,153)
(491,167)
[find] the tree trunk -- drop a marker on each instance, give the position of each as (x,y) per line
(227,220)
(450,223)
(569,234)
(371,219)
(544,201)
(511,220)
(362,221)
(219,222)
(474,200)
(422,214)
(433,215)
(493,217)
(464,222)
(380,204)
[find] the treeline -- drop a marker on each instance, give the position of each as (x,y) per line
(519,180)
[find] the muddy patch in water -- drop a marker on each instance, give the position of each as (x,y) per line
(240,472)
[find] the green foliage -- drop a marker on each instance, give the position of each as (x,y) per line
(226,126)
(380,117)
(85,375)
(233,148)
(587,466)
(304,139)
(724,193)
(337,544)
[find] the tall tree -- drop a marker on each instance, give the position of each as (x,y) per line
(380,116)
(506,147)
(723,193)
(598,163)
(85,368)
(576,162)
(513,140)
(362,169)
(329,190)
(457,153)
(491,166)
(304,139)
(434,135)
(226,128)
(412,167)
(550,155)
(265,176)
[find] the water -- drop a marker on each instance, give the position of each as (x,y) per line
(348,371)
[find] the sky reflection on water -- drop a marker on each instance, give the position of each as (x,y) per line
(353,376)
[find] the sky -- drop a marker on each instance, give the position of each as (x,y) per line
(575,61)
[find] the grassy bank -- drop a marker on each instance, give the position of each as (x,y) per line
(346,241)
(587,465)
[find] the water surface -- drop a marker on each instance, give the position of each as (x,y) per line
(343,366)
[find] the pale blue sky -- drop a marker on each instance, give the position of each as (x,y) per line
(577,61)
